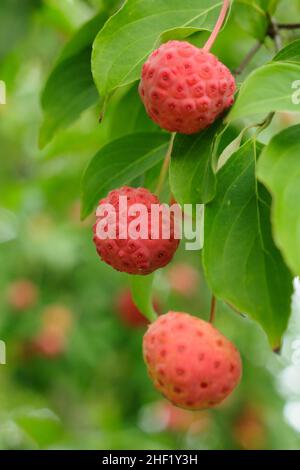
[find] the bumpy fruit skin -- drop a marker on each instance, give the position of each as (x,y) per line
(184,88)
(190,362)
(141,256)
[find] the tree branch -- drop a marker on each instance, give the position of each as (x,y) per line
(274,33)
(248,58)
(288,26)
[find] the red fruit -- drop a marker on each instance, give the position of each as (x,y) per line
(128,311)
(179,420)
(190,362)
(135,256)
(184,279)
(49,344)
(184,88)
(22,295)
(57,319)
(250,430)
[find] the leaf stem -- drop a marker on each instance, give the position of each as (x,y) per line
(141,290)
(248,58)
(218,26)
(212,313)
(165,166)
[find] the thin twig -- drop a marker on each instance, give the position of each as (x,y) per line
(277,38)
(212,313)
(288,26)
(248,58)
(218,25)
(274,33)
(165,166)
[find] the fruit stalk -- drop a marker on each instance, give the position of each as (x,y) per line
(212,312)
(218,26)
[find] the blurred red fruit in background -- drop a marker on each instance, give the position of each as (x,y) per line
(57,319)
(22,295)
(129,313)
(179,420)
(249,429)
(49,344)
(184,279)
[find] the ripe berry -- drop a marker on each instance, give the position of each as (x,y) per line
(128,311)
(184,88)
(130,255)
(190,362)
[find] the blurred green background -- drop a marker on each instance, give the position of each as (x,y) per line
(74,376)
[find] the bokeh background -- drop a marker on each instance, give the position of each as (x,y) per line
(74,376)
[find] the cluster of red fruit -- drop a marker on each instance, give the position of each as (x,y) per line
(56,320)
(184,89)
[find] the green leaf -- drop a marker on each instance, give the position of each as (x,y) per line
(119,163)
(242,264)
(251,16)
(128,115)
(141,289)
(42,425)
(271,87)
(192,178)
(267,89)
(290,53)
(70,88)
(231,149)
(63,104)
(15,22)
(269,5)
(84,37)
(129,36)
(181,34)
(279,170)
